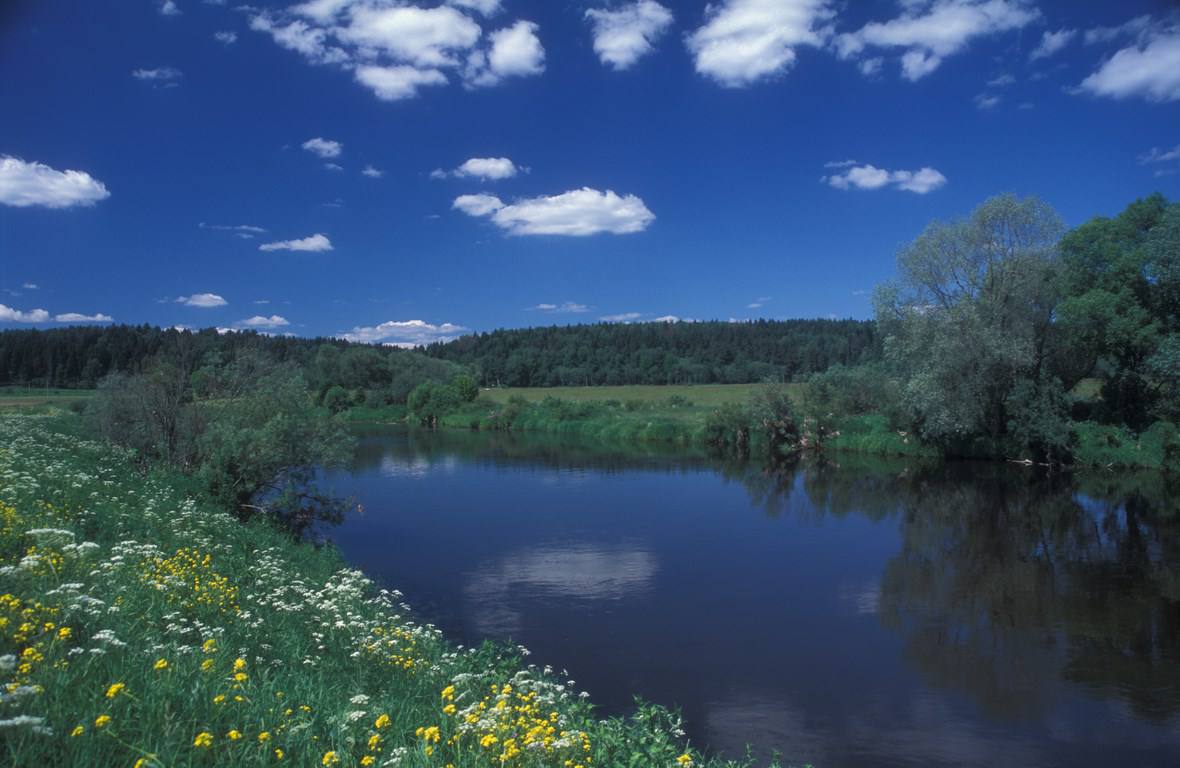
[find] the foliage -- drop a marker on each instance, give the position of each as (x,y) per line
(660,353)
(145,626)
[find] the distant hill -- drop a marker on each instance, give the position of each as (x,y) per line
(661,352)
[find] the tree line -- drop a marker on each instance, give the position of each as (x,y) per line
(661,352)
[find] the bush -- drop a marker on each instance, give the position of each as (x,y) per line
(337,399)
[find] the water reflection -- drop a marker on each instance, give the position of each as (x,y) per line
(848,612)
(501,591)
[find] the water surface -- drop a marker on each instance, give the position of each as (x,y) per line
(854,612)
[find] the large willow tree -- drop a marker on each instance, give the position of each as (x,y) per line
(968,325)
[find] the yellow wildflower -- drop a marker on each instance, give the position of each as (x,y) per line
(488,741)
(160,664)
(330,758)
(279,753)
(685,760)
(78,730)
(115,690)
(241,677)
(374,741)
(382,722)
(234,735)
(448,693)
(204,739)
(64,633)
(368,760)
(207,665)
(239,665)
(102,721)
(449,709)
(209,646)
(264,737)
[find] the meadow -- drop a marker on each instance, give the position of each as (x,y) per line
(142,625)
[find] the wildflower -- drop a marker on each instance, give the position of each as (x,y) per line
(330,758)
(206,665)
(160,664)
(78,730)
(279,753)
(204,739)
(374,741)
(209,646)
(488,741)
(448,693)
(264,737)
(449,709)
(241,677)
(239,665)
(368,760)
(219,698)
(685,760)
(64,633)
(381,722)
(115,690)
(102,721)
(234,735)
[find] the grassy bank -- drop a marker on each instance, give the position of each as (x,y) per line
(142,626)
(36,398)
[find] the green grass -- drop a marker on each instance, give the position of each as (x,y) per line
(702,395)
(35,398)
(141,625)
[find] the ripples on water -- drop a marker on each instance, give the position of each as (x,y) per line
(855,612)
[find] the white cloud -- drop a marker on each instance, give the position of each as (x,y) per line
(312,243)
(244,231)
(1052,42)
(839,163)
(158,75)
(226,37)
(397,48)
(169,8)
(486,7)
(516,51)
(30,286)
(1156,155)
(758,302)
(743,41)
(871,67)
(260,321)
(1150,70)
(333,167)
(566,307)
(202,300)
(76,317)
(622,317)
(930,31)
(624,35)
(674,319)
(986,101)
(372,172)
(578,212)
(404,333)
(483,168)
(1133,28)
(398,82)
(870,177)
(25,184)
(325,148)
(1002,81)
(10,315)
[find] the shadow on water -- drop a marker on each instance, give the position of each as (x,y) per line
(871,612)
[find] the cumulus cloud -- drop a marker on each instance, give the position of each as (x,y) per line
(743,41)
(578,212)
(169,8)
(566,307)
(30,286)
(1052,42)
(483,168)
(396,49)
(372,172)
(1156,155)
(158,75)
(1136,27)
(226,37)
(622,317)
(986,101)
(404,333)
(870,177)
(260,321)
(10,315)
(622,36)
(928,31)
(324,148)
(25,184)
(77,317)
(202,300)
(312,243)
(1148,70)
(515,51)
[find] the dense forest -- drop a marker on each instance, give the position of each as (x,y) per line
(648,353)
(662,353)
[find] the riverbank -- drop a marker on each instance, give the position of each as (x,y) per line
(142,625)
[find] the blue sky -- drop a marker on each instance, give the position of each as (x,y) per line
(200,163)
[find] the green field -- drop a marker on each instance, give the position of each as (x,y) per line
(38,397)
